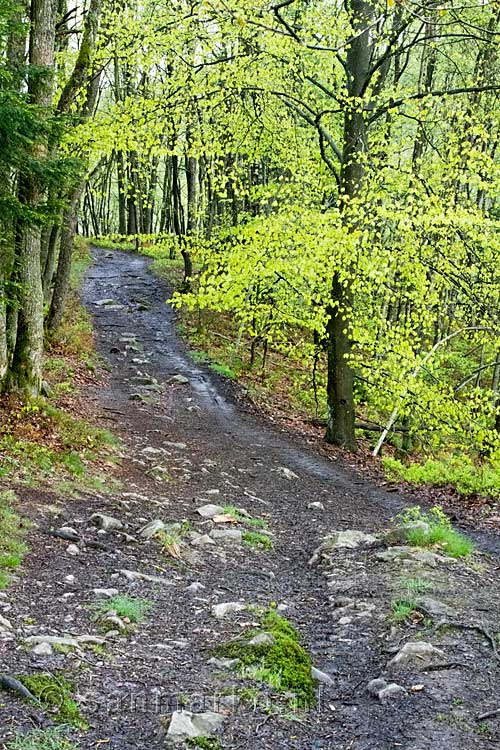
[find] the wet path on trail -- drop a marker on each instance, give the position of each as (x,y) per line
(188,441)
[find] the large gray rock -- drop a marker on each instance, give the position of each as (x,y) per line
(227,536)
(416,655)
(186,725)
(433,607)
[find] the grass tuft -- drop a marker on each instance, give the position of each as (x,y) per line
(133,609)
(42,739)
(257,540)
(12,529)
(439,532)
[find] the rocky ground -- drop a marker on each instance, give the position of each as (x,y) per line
(193,452)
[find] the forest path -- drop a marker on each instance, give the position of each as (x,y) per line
(188,443)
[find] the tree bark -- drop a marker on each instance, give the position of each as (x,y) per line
(26,371)
(340,397)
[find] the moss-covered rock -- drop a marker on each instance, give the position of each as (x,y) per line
(280,661)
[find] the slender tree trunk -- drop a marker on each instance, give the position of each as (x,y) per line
(62,279)
(340,397)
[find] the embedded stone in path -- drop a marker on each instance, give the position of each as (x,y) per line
(209,510)
(381,689)
(316,506)
(286,473)
(417,655)
(321,676)
(105,593)
(186,725)
(134,575)
(152,528)
(227,608)
(227,536)
(105,522)
(42,649)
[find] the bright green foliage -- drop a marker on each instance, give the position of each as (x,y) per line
(284,664)
(460,472)
(43,739)
(56,693)
(440,532)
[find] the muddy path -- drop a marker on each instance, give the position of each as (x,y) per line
(190,440)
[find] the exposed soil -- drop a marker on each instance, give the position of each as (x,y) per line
(211,448)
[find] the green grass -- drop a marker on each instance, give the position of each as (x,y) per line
(466,477)
(284,665)
(415,586)
(402,609)
(224,370)
(133,609)
(440,532)
(257,540)
(73,444)
(42,739)
(12,546)
(244,518)
(56,694)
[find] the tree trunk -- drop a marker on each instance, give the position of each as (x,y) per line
(340,397)
(26,371)
(62,279)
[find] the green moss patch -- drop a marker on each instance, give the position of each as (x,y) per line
(205,743)
(55,693)
(282,662)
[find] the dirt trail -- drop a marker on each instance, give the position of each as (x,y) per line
(189,441)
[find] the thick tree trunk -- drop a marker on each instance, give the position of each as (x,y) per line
(26,371)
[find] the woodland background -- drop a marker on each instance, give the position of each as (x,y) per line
(328,174)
